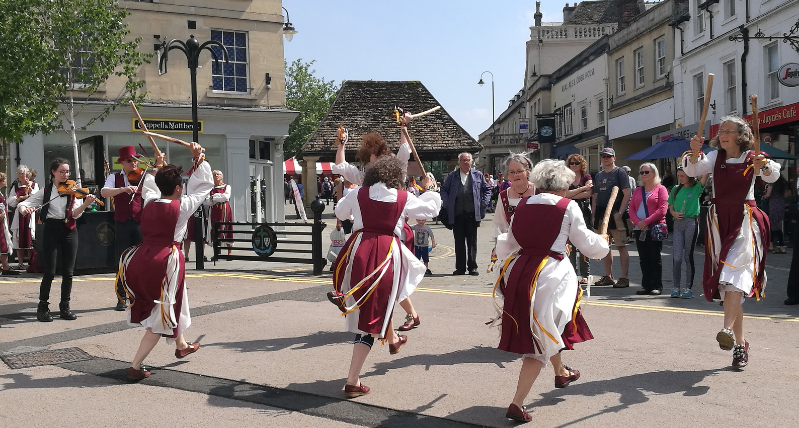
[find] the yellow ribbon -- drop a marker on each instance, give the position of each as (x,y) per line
(364,280)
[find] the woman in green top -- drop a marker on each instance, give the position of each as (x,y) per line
(684,207)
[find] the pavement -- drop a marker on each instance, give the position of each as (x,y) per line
(274,353)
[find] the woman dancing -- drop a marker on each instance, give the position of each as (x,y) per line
(375,269)
(153,272)
(540,315)
(737,230)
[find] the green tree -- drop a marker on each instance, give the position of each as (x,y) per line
(311,96)
(64,51)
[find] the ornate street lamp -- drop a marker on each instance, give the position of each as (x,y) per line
(288,29)
(481,83)
(792,36)
(192,49)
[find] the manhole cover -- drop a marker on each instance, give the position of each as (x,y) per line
(45,357)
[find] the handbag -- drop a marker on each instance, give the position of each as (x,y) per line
(660,231)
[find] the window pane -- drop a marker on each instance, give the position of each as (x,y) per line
(241,85)
(218,51)
(231,53)
(230,84)
(228,38)
(228,68)
(216,35)
(241,70)
(241,40)
(263,150)
(252,149)
(217,83)
(241,54)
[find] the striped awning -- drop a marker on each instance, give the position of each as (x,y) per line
(291,167)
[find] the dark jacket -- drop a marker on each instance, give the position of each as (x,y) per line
(481,191)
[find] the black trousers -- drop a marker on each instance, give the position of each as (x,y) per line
(651,262)
(793,276)
(57,239)
(465,231)
(127,234)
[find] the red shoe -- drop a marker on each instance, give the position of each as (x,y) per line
(564,381)
(517,414)
(410,323)
(190,350)
(337,299)
(353,391)
(133,374)
(395,348)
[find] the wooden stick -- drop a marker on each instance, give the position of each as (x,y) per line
(708,90)
(755,123)
(413,150)
(426,112)
(165,138)
(603,229)
(144,128)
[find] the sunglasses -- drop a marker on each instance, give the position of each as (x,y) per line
(644,172)
(606,156)
(574,163)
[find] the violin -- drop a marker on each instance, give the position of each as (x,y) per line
(70,188)
(134,177)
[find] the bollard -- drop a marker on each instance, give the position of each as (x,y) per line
(319,261)
(199,238)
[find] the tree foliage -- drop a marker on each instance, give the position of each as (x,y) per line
(52,47)
(311,96)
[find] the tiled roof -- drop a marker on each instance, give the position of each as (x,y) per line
(594,12)
(365,106)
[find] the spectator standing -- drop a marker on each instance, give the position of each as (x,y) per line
(606,179)
(684,207)
(466,195)
(648,207)
(327,190)
(423,242)
(775,193)
(580,191)
(668,183)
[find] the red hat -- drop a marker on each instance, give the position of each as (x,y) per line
(127,152)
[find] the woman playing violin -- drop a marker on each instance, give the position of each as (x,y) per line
(58,213)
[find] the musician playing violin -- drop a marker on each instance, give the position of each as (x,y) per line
(58,213)
(127,207)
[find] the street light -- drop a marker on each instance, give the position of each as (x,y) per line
(493,130)
(288,29)
(192,49)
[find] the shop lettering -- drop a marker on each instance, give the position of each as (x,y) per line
(790,74)
(768,118)
(576,80)
(167,125)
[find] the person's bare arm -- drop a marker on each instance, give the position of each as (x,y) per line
(341,142)
(626,199)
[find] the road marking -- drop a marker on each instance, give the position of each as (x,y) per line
(448,252)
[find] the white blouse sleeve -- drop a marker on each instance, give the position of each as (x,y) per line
(149,191)
(404,153)
(11,199)
(589,243)
(346,205)
(704,164)
(200,183)
(35,199)
(499,222)
(425,206)
(350,173)
(775,172)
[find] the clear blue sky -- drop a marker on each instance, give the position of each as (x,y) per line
(445,44)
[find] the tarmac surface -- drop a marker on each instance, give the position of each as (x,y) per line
(274,353)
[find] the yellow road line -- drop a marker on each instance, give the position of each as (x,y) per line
(448,252)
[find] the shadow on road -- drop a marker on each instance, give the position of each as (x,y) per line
(322,338)
(476,355)
(25,381)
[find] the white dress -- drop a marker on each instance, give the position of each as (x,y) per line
(738,270)
(556,288)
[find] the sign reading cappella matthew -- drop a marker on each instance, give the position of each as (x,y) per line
(167,125)
(577,79)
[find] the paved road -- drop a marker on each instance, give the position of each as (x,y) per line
(274,354)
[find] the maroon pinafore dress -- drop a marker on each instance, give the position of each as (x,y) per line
(535,227)
(25,238)
(221,212)
(731,187)
(148,267)
(5,246)
(377,235)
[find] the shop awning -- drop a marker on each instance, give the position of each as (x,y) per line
(324,168)
(291,167)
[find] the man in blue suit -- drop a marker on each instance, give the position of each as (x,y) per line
(466,195)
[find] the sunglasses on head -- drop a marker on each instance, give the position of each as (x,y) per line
(644,172)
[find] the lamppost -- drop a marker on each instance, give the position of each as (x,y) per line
(192,49)
(288,29)
(493,129)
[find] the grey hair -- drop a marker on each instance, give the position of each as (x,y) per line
(551,174)
(652,168)
(215,171)
(521,158)
(23,169)
(745,137)
(466,153)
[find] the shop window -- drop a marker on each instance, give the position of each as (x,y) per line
(259,150)
(730,86)
(639,67)
(772,66)
(699,94)
(729,8)
(230,77)
(621,89)
(698,18)
(660,57)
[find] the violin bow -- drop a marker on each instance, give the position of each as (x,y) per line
(144,129)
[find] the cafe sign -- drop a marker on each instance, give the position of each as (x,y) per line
(788,74)
(167,125)
(769,118)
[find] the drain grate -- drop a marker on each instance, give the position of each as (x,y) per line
(45,357)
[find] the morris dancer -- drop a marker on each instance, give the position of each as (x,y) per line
(373,146)
(541,311)
(153,272)
(375,269)
(127,208)
(737,231)
(518,167)
(58,213)
(220,209)
(23,227)
(5,234)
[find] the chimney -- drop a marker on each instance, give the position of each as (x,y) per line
(538,15)
(567,12)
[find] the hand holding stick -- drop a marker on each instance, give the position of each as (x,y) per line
(404,130)
(144,128)
(708,90)
(603,229)
(165,138)
(755,123)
